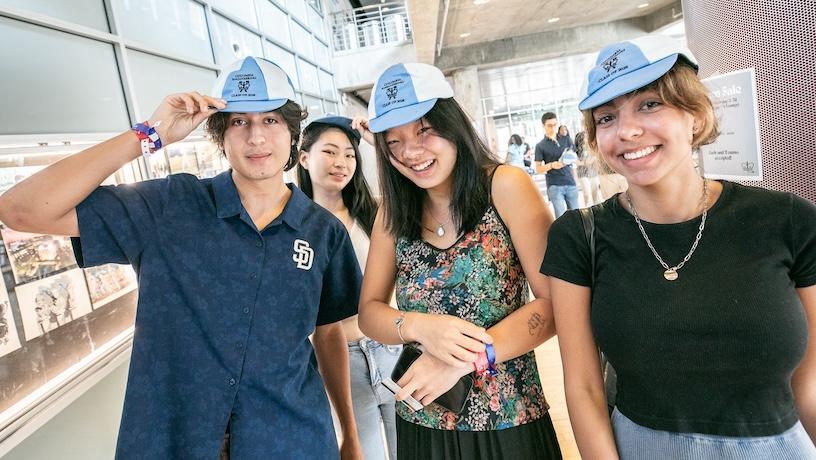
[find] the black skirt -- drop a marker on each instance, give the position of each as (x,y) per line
(534,440)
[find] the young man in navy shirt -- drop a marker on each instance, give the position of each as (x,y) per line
(235,273)
(561,189)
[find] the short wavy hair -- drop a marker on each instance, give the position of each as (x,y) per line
(681,88)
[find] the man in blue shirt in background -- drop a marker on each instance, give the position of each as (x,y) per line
(561,189)
(235,273)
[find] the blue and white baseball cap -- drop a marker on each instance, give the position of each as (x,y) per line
(624,67)
(253,84)
(404,93)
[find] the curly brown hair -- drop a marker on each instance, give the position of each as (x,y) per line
(292,114)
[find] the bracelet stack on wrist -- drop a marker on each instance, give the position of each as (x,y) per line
(148,137)
(486,362)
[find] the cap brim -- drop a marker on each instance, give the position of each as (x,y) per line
(254,106)
(627,83)
(400,116)
(351,133)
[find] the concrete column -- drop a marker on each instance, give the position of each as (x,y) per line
(468,93)
(777,38)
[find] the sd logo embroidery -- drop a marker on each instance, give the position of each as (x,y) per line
(303,255)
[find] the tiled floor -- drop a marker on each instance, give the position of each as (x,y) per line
(552,381)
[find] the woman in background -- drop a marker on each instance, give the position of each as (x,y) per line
(330,172)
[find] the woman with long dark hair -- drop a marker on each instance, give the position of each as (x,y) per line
(330,172)
(452,238)
(701,293)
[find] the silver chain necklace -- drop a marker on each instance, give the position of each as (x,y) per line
(671,272)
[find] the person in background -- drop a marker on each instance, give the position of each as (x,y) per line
(703,293)
(235,272)
(587,172)
(561,188)
(451,236)
(330,171)
(564,138)
(516,150)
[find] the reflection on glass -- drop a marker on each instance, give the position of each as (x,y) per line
(233,42)
(284,59)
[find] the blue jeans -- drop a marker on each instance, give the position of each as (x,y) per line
(563,197)
(370,362)
(637,442)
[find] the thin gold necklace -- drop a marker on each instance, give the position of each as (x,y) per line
(440,230)
(671,272)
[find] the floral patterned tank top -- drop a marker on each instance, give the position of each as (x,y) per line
(479,279)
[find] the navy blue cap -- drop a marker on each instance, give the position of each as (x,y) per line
(343,123)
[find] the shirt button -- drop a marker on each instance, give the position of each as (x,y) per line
(259,244)
(253,275)
(246,310)
(232,382)
(239,345)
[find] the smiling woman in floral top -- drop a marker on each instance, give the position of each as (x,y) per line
(452,237)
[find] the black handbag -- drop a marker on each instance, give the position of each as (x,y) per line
(453,399)
(610,377)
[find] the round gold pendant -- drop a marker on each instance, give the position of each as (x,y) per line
(670,274)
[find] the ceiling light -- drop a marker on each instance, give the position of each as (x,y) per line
(643,5)
(480,2)
(464,35)
(551,20)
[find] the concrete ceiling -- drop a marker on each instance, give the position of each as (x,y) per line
(500,32)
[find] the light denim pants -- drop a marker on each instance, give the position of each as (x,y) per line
(637,442)
(370,362)
(563,197)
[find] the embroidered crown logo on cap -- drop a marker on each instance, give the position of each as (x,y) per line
(404,93)
(253,84)
(624,67)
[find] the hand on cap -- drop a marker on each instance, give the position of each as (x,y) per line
(361,125)
(181,113)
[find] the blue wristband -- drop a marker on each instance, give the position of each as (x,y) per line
(491,359)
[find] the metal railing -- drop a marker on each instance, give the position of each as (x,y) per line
(370,26)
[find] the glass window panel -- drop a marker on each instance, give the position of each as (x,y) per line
(331,108)
(519,101)
(322,56)
(317,6)
(274,22)
(316,23)
(90,13)
(284,59)
(85,98)
(298,10)
(241,9)
(172,26)
(302,41)
(233,42)
(314,105)
(327,85)
(309,80)
(495,105)
(155,77)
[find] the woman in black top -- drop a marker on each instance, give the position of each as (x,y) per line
(702,293)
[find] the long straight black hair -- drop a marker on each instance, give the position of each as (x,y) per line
(356,194)
(470,194)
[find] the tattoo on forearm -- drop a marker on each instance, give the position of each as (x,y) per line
(534,323)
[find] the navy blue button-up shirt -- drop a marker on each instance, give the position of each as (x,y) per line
(224,316)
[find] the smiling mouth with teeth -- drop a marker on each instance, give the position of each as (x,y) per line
(639,153)
(423,166)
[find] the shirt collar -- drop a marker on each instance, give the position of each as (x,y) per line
(228,202)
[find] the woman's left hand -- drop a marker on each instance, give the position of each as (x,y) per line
(361,125)
(428,378)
